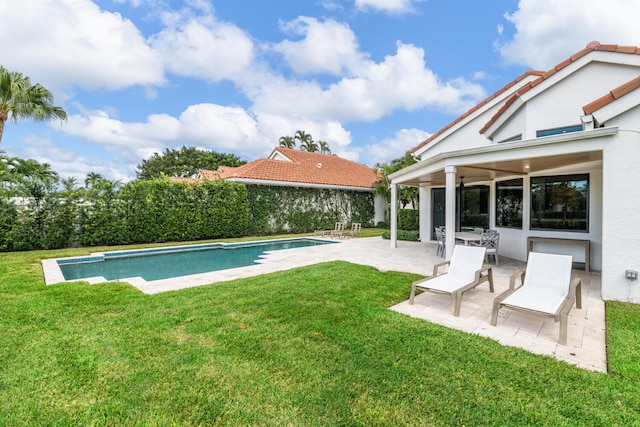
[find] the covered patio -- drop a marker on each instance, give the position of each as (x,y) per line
(562,154)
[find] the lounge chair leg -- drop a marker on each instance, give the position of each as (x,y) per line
(457,302)
(413,294)
(494,314)
(563,329)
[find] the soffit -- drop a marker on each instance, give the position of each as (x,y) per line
(489,171)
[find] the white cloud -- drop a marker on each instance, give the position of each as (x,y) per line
(203,47)
(391,6)
(401,81)
(73,42)
(207,126)
(394,147)
(129,142)
(68,164)
(549,31)
(334,46)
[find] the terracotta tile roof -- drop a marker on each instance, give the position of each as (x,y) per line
(616,93)
(475,108)
(304,167)
(180,179)
(593,46)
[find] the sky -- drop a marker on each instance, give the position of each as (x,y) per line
(372,78)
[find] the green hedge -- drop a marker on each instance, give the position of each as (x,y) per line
(274,209)
(162,210)
(408,219)
(410,235)
(140,212)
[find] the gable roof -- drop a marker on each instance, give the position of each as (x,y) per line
(301,167)
(475,108)
(591,47)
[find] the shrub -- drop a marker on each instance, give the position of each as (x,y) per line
(409,219)
(410,235)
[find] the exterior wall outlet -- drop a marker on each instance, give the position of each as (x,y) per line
(631,274)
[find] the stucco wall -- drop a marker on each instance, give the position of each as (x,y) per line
(621,213)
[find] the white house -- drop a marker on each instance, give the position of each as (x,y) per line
(552,155)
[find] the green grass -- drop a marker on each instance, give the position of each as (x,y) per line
(313,346)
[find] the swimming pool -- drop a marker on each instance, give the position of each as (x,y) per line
(169,262)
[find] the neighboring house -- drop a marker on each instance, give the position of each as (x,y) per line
(552,154)
(296,168)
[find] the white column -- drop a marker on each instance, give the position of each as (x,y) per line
(450,207)
(394,215)
(425,214)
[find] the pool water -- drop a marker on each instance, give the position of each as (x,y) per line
(157,264)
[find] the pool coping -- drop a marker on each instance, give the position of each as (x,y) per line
(53,273)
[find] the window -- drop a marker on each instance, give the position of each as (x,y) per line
(474,207)
(556,131)
(509,203)
(560,202)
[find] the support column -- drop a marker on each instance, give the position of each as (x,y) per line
(394,215)
(426,228)
(450,209)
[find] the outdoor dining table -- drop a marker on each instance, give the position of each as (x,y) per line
(467,237)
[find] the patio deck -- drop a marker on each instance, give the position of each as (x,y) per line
(586,330)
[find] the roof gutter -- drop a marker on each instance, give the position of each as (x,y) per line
(298,184)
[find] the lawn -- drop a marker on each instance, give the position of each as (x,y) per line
(314,346)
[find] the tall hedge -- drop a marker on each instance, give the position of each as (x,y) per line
(162,210)
(274,209)
(140,212)
(408,219)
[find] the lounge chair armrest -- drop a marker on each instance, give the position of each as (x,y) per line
(485,274)
(514,277)
(437,266)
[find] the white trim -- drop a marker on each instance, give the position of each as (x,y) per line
(456,157)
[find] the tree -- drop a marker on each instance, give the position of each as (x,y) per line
(306,141)
(33,179)
(20,100)
(184,162)
(382,187)
(287,142)
(324,147)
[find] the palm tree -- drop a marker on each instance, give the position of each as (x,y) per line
(34,179)
(310,146)
(306,140)
(287,142)
(20,100)
(324,147)
(406,195)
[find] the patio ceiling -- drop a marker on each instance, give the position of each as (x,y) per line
(489,171)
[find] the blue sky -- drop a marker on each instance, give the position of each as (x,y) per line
(373,78)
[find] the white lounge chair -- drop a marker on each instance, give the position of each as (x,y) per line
(546,289)
(465,272)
